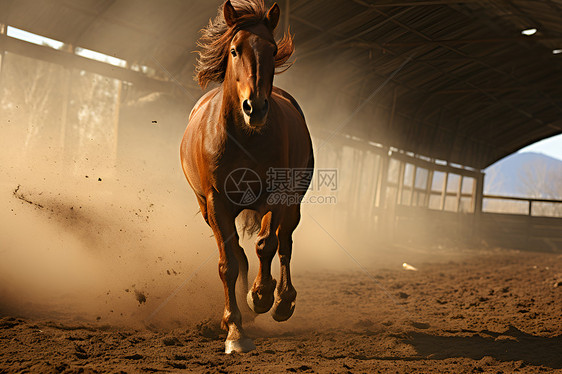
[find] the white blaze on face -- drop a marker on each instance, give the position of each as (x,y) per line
(244,94)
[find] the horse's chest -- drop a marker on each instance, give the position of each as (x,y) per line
(245,175)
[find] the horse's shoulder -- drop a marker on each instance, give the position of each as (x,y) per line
(287,96)
(201,103)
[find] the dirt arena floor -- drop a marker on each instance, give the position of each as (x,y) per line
(99,274)
(496,311)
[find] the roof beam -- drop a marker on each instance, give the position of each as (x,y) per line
(493,89)
(343,38)
(554,6)
(391,3)
(459,52)
(525,18)
(468,41)
(76,38)
(151,37)
(436,125)
(526,115)
(71,60)
(77,6)
(5,7)
(472,86)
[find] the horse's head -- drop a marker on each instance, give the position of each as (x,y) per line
(251,64)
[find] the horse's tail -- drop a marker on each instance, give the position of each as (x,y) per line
(248,222)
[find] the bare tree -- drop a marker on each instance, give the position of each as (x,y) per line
(29,96)
(50,106)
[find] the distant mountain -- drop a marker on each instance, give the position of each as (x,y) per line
(525,174)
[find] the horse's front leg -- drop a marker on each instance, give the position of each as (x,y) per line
(285,293)
(221,221)
(260,298)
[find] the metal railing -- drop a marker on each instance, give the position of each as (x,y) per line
(556,205)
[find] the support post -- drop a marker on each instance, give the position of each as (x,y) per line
(413,186)
(391,216)
(400,187)
(473,197)
(428,185)
(459,194)
(358,175)
(382,181)
(380,203)
(478,198)
(444,191)
(373,187)
(479,194)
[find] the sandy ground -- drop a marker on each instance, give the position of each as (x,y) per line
(103,273)
(494,311)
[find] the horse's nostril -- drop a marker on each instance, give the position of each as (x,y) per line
(247,107)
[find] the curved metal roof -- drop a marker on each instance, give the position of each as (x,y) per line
(447,79)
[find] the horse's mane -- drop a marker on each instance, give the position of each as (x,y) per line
(216,37)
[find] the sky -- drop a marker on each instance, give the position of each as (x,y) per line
(551,147)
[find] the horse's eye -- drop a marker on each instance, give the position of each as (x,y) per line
(233,52)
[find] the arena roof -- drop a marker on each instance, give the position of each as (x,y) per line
(454,80)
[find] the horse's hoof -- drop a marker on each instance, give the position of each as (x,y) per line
(261,304)
(283,309)
(239,346)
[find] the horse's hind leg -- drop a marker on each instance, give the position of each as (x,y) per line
(285,294)
(260,298)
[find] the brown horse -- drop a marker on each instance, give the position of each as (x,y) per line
(242,141)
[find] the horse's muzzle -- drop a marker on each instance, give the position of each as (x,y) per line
(255,112)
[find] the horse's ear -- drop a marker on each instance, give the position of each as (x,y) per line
(273,16)
(229,13)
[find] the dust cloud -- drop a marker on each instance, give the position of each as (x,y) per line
(102,246)
(93,234)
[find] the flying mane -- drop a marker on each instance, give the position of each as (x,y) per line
(215,41)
